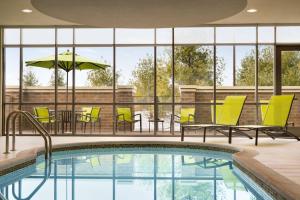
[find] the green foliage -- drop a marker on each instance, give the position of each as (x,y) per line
(290,68)
(246,74)
(29,79)
(60,78)
(193,66)
(290,64)
(143,77)
(101,77)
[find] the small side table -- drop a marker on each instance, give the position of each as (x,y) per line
(158,121)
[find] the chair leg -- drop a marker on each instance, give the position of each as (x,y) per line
(204,134)
(269,134)
(256,136)
(230,135)
(182,134)
(124,126)
(293,135)
(84,128)
(244,134)
(140,126)
(100,125)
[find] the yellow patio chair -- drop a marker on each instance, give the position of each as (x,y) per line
(275,119)
(95,162)
(42,114)
(229,115)
(124,115)
(187,116)
(90,115)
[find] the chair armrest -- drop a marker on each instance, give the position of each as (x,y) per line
(140,116)
(117,117)
(190,117)
(177,116)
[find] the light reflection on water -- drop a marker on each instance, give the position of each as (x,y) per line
(130,174)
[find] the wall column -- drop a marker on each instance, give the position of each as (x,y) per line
(1,78)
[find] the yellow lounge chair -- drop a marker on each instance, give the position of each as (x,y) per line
(228,116)
(275,119)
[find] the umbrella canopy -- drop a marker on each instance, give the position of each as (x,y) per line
(65,62)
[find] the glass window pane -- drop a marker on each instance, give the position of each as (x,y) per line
(95,85)
(12,74)
(245,57)
(135,74)
(224,71)
(288,34)
(164,36)
(266,34)
(38,36)
(194,35)
(193,67)
(38,81)
(12,36)
(164,74)
(290,62)
(65,36)
(135,36)
(265,65)
(236,35)
(93,36)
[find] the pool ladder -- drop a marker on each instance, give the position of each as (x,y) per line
(36,124)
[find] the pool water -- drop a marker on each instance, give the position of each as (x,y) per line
(132,174)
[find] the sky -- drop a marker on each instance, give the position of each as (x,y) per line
(127,58)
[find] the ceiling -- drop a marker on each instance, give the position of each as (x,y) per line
(196,12)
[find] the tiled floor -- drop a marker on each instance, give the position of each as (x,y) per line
(280,155)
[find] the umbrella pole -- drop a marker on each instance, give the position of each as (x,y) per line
(67,90)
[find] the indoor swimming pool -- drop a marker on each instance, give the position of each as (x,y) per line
(134,173)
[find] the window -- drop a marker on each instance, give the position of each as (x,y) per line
(194,35)
(135,36)
(38,36)
(12,36)
(288,34)
(93,36)
(236,34)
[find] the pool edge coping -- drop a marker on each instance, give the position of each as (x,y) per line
(278,186)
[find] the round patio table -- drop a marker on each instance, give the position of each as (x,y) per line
(65,118)
(158,121)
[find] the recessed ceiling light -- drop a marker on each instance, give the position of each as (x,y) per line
(27,11)
(252,10)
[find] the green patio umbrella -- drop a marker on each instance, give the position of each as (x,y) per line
(65,62)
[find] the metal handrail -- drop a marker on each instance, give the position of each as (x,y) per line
(43,132)
(41,127)
(47,173)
